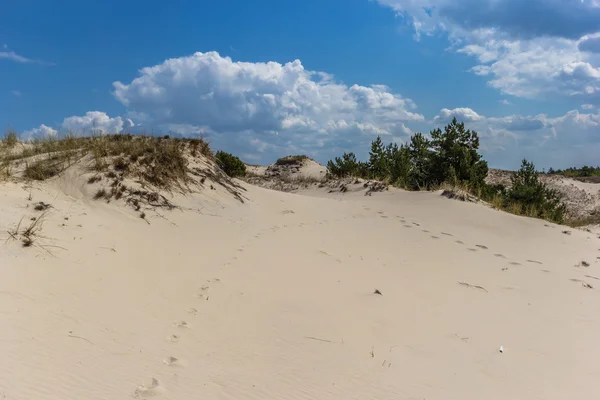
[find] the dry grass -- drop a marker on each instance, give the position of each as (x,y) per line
(457,192)
(151,164)
(593,219)
(29,234)
(5,170)
(10,139)
(291,160)
(161,162)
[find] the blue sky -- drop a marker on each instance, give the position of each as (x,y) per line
(268,78)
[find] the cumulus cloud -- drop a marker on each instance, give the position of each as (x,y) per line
(462,114)
(527,49)
(284,102)
(587,106)
(94,121)
(41,131)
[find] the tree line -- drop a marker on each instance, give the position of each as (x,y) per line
(450,156)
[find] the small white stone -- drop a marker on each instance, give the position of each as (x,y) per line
(501,349)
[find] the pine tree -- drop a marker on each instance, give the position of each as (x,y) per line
(378,164)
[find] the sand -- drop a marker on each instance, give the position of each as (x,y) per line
(274,299)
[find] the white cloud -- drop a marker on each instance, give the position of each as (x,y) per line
(283,102)
(16,93)
(504,102)
(462,114)
(41,131)
(94,121)
(528,49)
(587,106)
(12,56)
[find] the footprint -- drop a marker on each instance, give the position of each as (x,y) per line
(505,269)
(545,270)
(414,223)
(425,230)
(499,255)
(192,311)
(174,338)
(471,249)
(170,360)
(147,390)
(180,324)
(459,242)
(515,263)
(384,216)
(447,234)
(586,285)
(481,246)
(407,226)
(534,262)
(434,237)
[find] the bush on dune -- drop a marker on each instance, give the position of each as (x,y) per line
(230,164)
(534,196)
(450,157)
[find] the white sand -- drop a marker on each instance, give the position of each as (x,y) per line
(273,299)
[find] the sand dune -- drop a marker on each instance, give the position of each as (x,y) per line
(275,298)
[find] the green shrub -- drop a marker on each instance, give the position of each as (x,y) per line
(230,164)
(450,156)
(455,156)
(534,197)
(345,166)
(585,171)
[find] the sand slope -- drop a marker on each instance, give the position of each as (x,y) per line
(274,299)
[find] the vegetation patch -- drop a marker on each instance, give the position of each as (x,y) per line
(291,160)
(449,159)
(230,164)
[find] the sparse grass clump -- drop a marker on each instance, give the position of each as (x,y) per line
(120,164)
(199,146)
(10,139)
(94,179)
(30,233)
(100,194)
(41,206)
(291,160)
(5,170)
(42,170)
